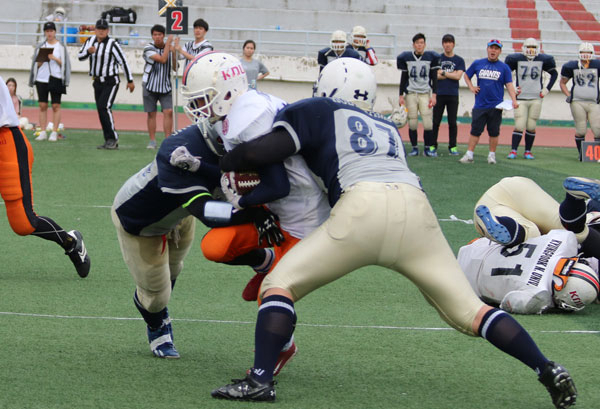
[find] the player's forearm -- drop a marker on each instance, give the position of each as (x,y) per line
(271,148)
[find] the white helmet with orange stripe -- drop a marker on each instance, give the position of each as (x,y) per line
(575,284)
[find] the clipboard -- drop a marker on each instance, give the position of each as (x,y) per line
(43,54)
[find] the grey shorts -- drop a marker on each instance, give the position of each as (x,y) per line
(151,98)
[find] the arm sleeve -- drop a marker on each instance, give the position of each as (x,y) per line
(322,60)
(526,302)
(118,52)
(403,82)
(433,79)
(274,184)
(553,77)
(268,149)
(83,51)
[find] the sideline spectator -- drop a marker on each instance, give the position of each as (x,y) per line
(337,49)
(361,44)
(16,158)
(528,67)
(583,96)
(196,46)
(52,77)
(105,55)
(17,101)
(451,70)
(419,83)
(255,69)
(156,82)
(492,75)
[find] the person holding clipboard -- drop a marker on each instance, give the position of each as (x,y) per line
(50,73)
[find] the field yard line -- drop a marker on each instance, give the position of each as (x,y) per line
(22,314)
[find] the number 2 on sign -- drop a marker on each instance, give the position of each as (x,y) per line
(177,17)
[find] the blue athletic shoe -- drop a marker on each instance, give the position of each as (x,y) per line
(491,228)
(414,152)
(161,341)
(454,151)
(431,152)
(512,155)
(582,188)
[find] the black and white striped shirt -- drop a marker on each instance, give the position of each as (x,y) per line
(156,75)
(106,60)
(192,48)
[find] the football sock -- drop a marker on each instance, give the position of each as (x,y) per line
(591,245)
(47,229)
(572,213)
(412,134)
(516,140)
(274,328)
(529,138)
(154,320)
(252,258)
(428,138)
(506,334)
(517,232)
(578,142)
(267,261)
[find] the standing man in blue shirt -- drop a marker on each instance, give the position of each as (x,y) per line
(492,76)
(451,70)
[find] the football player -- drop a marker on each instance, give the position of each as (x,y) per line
(529,66)
(380,216)
(516,209)
(239,115)
(337,49)
(154,213)
(583,96)
(419,82)
(361,44)
(16,163)
(539,274)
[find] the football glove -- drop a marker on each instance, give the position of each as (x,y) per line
(182,158)
(229,192)
(265,222)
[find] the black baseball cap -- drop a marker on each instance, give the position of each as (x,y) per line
(102,24)
(49,26)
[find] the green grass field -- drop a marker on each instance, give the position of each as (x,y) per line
(368,340)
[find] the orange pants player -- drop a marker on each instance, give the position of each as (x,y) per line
(16,161)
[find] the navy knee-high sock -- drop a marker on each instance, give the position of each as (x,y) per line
(572,213)
(413,136)
(155,320)
(516,139)
(517,232)
(506,334)
(274,328)
(529,138)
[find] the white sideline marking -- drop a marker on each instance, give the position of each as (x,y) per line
(84,317)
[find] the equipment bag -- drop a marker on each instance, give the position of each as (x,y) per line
(120,15)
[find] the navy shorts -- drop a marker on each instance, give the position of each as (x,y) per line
(491,117)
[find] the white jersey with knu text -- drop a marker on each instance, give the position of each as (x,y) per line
(305,208)
(517,278)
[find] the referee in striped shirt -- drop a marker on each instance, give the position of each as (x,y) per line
(106,56)
(156,82)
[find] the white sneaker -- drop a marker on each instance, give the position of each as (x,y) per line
(53,137)
(43,136)
(492,159)
(466,159)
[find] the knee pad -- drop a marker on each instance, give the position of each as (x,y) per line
(427,117)
(10,181)
(17,218)
(154,301)
(216,244)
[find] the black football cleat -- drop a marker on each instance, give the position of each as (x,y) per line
(78,254)
(560,385)
(246,389)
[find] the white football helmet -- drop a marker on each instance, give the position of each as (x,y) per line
(576,288)
(338,40)
(399,116)
(586,51)
(530,48)
(359,36)
(210,85)
(349,79)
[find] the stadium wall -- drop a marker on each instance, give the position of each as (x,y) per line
(291,79)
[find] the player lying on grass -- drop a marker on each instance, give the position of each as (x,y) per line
(155,212)
(380,216)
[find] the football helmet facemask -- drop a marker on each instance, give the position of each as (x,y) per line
(348,79)
(359,36)
(586,51)
(210,85)
(530,48)
(575,284)
(338,41)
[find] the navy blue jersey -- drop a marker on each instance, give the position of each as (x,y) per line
(326,55)
(529,73)
(585,80)
(449,86)
(344,145)
(418,69)
(150,202)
